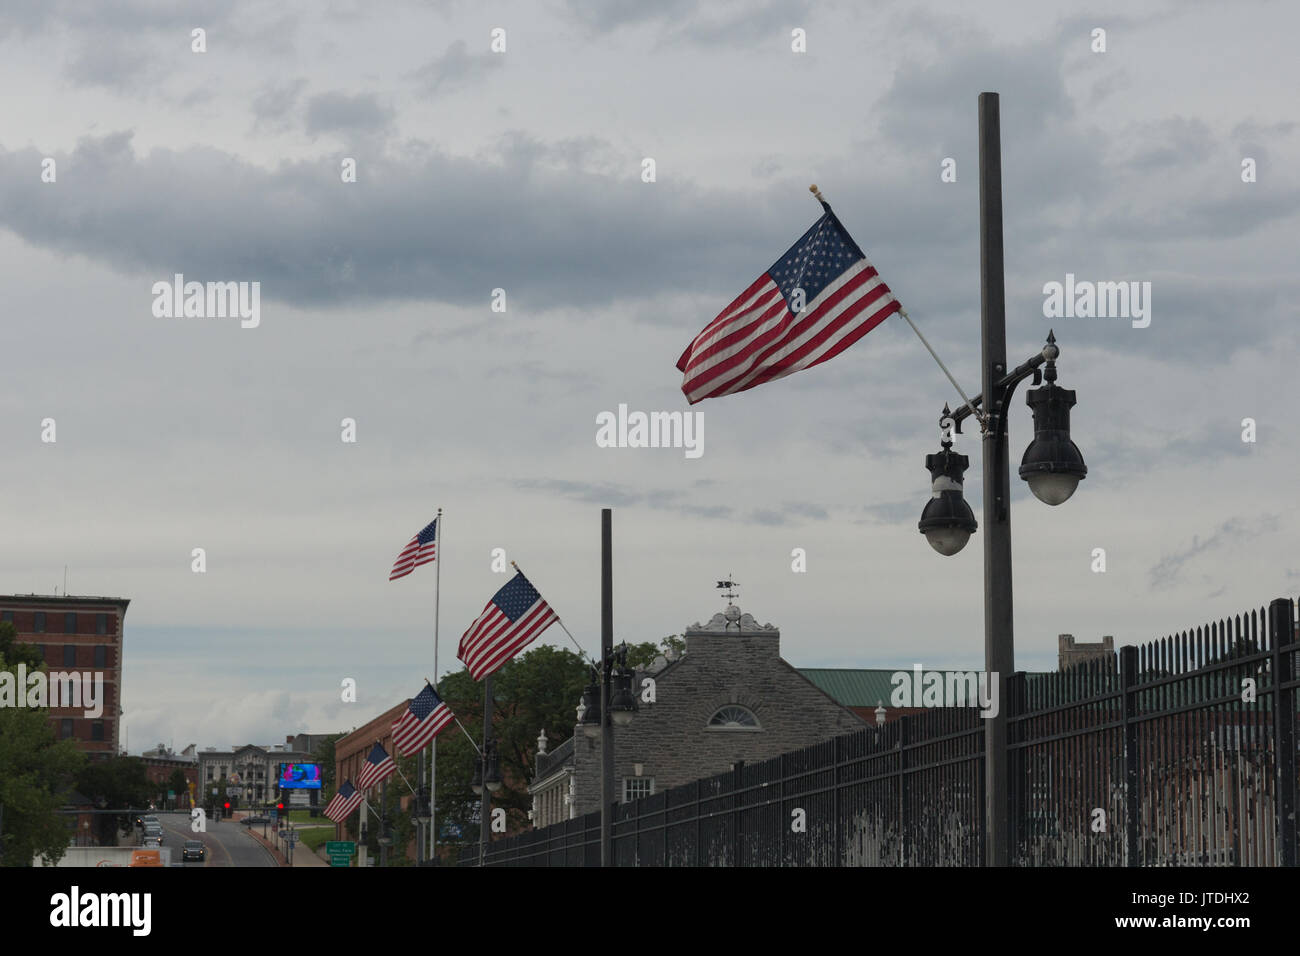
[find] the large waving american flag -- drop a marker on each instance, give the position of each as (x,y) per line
(813,303)
(419,550)
(515,615)
(379,766)
(424,718)
(344,802)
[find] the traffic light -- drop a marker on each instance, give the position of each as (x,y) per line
(227,808)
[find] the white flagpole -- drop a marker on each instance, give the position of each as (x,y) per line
(433,744)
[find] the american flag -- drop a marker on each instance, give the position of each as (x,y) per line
(378,767)
(425,717)
(515,615)
(344,802)
(419,550)
(763,335)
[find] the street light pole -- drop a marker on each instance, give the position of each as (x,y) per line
(999,642)
(606,660)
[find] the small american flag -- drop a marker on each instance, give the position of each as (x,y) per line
(419,550)
(344,802)
(767,332)
(378,767)
(425,717)
(515,615)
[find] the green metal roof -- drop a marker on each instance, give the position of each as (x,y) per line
(852,687)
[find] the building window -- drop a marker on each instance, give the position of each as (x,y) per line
(97,730)
(69,655)
(101,623)
(40,649)
(734,717)
(38,622)
(65,728)
(70,623)
(101,656)
(7,617)
(634,788)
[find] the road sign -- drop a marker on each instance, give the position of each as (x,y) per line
(340,852)
(275,815)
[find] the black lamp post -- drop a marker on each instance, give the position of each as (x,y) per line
(1052,465)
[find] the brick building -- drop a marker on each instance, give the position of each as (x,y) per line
(77,635)
(729,697)
(161,762)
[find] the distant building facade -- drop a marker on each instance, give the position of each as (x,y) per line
(251,773)
(82,635)
(1072,652)
(729,698)
(161,762)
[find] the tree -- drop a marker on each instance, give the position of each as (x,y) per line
(643,654)
(536,691)
(177,784)
(36,770)
(118,783)
(324,755)
(14,652)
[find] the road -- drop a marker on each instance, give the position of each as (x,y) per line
(227,843)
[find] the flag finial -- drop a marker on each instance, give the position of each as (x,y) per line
(817,193)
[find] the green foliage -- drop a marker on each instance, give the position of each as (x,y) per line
(14,652)
(116,783)
(324,755)
(36,772)
(643,654)
(537,691)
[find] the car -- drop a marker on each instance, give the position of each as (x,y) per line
(254,821)
(194,850)
(151,843)
(153,833)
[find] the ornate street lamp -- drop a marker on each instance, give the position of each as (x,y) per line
(1052,464)
(947,521)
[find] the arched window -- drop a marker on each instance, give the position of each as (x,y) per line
(734,717)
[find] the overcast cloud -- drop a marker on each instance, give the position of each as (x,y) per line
(521,171)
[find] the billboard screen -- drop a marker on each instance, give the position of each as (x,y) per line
(300,776)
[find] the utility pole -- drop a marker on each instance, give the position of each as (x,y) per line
(606,661)
(999,642)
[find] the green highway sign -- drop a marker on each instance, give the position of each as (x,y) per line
(340,847)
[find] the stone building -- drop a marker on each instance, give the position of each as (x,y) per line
(1072,652)
(252,773)
(729,697)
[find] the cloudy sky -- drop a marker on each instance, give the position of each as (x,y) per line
(522,170)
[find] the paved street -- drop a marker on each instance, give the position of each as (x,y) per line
(227,842)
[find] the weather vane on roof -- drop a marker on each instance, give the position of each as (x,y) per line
(730,588)
(732,613)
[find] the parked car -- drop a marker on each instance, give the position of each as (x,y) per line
(251,821)
(193,850)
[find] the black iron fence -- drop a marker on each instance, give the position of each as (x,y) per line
(1177,752)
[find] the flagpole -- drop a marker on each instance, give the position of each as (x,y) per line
(433,744)
(817,193)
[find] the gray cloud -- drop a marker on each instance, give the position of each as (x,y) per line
(455,69)
(274,104)
(336,112)
(1233,531)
